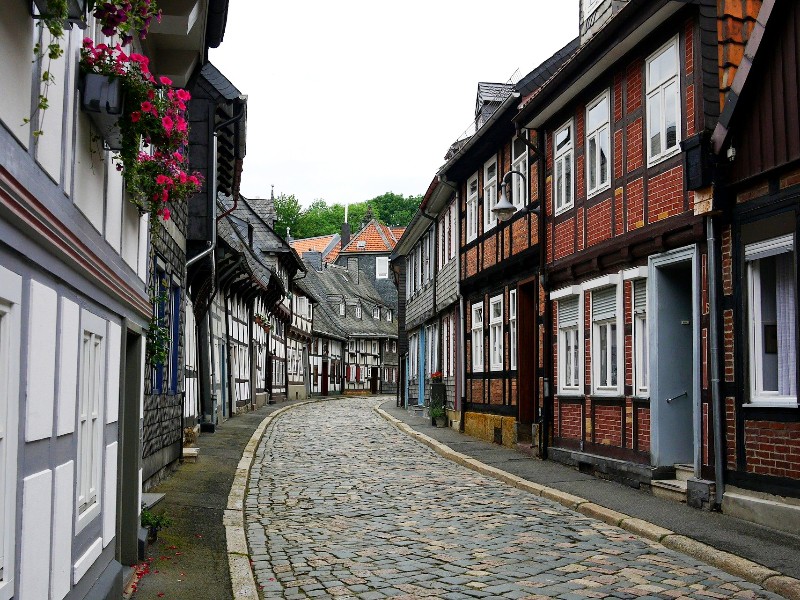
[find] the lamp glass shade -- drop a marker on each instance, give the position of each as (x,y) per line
(504,209)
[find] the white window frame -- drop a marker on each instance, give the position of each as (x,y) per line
(413,350)
(91,397)
(512,328)
(431,348)
(641,345)
(358,311)
(389,315)
(599,133)
(489,194)
(612,358)
(381,267)
(342,309)
(519,185)
(10,343)
(376,313)
(560,158)
(478,364)
(472,207)
(753,254)
(496,347)
(575,332)
(656,90)
(453,230)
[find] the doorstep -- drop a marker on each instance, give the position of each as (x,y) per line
(769,510)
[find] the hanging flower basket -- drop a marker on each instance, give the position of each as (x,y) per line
(76,11)
(103,100)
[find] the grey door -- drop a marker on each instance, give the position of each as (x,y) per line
(673,328)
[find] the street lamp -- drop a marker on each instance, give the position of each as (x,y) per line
(504,210)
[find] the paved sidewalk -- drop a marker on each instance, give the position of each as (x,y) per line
(774,549)
(189,560)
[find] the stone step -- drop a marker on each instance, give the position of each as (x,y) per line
(684,472)
(669,489)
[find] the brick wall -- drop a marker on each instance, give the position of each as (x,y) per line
(608,425)
(570,421)
(773,448)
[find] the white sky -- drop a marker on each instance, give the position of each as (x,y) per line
(351,99)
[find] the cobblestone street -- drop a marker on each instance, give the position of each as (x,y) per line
(341,504)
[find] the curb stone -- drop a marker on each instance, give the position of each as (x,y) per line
(243,583)
(776,582)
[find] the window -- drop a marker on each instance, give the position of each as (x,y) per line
(445,346)
(562,180)
(90,424)
(158,372)
(569,363)
(431,252)
(640,341)
(381,267)
(477,337)
(591,5)
(604,339)
(10,298)
(519,157)
(374,347)
(413,349)
(341,309)
(598,145)
(496,333)
(472,208)
(663,103)
(376,313)
(512,327)
(358,311)
(389,315)
(772,307)
(426,258)
(394,346)
(489,193)
(418,267)
(431,348)
(453,230)
(175,339)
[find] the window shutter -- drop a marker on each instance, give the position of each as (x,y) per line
(604,304)
(639,297)
(568,312)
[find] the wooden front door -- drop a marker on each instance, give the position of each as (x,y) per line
(373,381)
(324,377)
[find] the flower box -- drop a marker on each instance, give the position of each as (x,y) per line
(76,11)
(102,99)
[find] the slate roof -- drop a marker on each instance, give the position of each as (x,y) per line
(333,283)
(228,231)
(541,74)
(265,240)
(220,84)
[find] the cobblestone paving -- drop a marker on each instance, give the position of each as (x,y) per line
(342,505)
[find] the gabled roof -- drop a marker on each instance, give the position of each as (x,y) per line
(219,86)
(334,284)
(373,237)
(265,240)
(327,245)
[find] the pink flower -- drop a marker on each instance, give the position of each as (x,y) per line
(165,214)
(135,116)
(168,124)
(151,94)
(194,180)
(165,80)
(183,95)
(164,195)
(163,180)
(147,106)
(183,177)
(178,156)
(181,126)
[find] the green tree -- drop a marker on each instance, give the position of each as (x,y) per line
(395,209)
(319,219)
(287,209)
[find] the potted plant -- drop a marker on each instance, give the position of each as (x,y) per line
(438,392)
(437,414)
(75,10)
(126,18)
(154,523)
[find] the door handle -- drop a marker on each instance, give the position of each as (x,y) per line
(669,400)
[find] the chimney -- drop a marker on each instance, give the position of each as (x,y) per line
(314,258)
(345,234)
(352,267)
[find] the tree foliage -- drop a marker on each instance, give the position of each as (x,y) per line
(321,218)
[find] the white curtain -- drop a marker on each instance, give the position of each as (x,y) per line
(786,304)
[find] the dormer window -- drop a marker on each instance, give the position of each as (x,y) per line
(389,315)
(341,309)
(361,244)
(358,311)
(376,312)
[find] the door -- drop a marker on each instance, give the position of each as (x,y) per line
(672,309)
(373,381)
(527,347)
(325,377)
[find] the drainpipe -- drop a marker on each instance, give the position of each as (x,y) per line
(547,345)
(461,361)
(716,384)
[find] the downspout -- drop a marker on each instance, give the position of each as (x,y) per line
(716,383)
(547,345)
(462,379)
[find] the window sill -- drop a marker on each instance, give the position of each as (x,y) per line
(771,404)
(87,517)
(570,394)
(598,191)
(563,210)
(652,162)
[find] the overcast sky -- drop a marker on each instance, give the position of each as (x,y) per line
(351,99)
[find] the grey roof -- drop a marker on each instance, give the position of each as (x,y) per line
(541,74)
(230,233)
(219,83)
(492,92)
(265,240)
(334,283)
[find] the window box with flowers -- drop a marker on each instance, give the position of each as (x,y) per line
(75,10)
(102,99)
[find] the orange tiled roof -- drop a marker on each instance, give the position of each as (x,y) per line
(315,244)
(398,232)
(376,237)
(331,256)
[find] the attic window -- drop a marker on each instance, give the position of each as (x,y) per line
(361,244)
(341,309)
(358,311)
(376,313)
